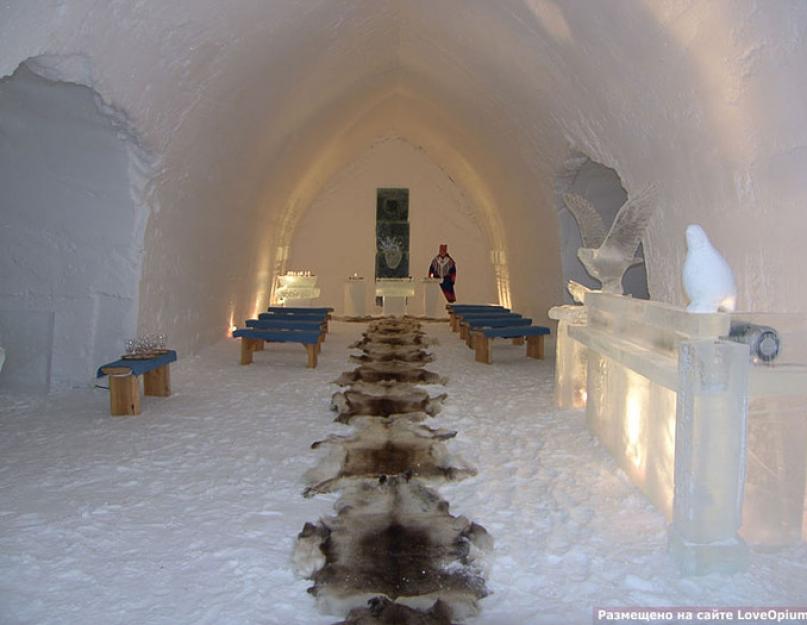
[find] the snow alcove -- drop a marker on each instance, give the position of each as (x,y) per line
(72,229)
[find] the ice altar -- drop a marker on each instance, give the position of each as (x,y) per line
(394,292)
(297,288)
(706,413)
(355,296)
(433,299)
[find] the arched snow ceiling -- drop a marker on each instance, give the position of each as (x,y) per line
(249,107)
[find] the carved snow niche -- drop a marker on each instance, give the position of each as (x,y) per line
(595,196)
(379,447)
(74,181)
(394,539)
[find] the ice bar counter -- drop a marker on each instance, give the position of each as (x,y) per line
(706,413)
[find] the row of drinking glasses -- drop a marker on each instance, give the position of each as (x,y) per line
(146,344)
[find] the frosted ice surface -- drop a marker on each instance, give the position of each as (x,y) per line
(708,280)
(607,257)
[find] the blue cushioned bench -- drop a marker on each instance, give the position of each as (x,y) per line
(475,325)
(313,325)
(462,320)
(484,337)
(124,388)
(467,306)
(293,315)
(301,309)
(252,340)
(310,325)
(457,316)
(457,309)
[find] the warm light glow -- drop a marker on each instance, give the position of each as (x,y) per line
(551,19)
(502,273)
(231,323)
(634,427)
(258,303)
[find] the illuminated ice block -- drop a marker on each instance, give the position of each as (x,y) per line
(355,297)
(294,290)
(394,292)
(570,358)
(433,300)
(707,414)
(776,471)
(710,457)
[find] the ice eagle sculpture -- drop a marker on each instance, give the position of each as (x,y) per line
(608,255)
(708,280)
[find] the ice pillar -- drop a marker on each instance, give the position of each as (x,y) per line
(711,416)
(571,361)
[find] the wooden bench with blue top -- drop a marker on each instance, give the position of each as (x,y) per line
(311,325)
(325,310)
(124,387)
(303,314)
(455,313)
(484,339)
(252,340)
(464,319)
(456,310)
(475,325)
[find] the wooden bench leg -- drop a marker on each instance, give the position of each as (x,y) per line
(246,350)
(519,340)
(157,382)
(124,394)
(482,349)
(463,332)
(311,348)
(535,346)
(257,345)
(454,324)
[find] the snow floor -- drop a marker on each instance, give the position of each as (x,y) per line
(188,513)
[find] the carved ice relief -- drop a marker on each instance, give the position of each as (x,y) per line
(392,248)
(607,255)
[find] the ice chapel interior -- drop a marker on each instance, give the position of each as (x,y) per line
(170,171)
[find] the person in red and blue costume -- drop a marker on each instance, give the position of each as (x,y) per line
(444,267)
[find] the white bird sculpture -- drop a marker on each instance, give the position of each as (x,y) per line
(708,280)
(607,256)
